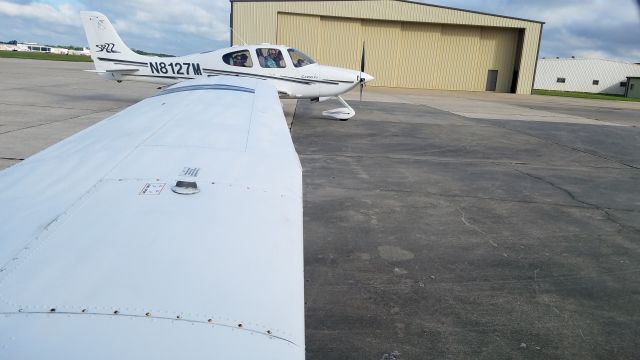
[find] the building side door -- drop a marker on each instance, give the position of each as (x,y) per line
(634,88)
(492,80)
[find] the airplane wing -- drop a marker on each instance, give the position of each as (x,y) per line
(171,230)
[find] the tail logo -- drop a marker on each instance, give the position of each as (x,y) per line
(108,48)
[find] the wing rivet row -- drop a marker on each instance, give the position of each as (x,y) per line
(185,187)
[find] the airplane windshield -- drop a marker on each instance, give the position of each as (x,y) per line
(238,58)
(299,58)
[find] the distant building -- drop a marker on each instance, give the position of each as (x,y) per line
(8,47)
(33,47)
(585,75)
(37,48)
(60,51)
(85,52)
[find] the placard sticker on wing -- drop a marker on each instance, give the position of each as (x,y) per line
(190,171)
(152,189)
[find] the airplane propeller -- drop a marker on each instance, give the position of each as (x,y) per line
(362,81)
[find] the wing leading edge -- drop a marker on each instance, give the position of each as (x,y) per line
(100,259)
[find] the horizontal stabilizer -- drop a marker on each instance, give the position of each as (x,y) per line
(118,70)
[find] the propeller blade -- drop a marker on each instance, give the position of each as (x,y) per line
(362,70)
(362,59)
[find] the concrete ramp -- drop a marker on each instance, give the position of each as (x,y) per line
(471,106)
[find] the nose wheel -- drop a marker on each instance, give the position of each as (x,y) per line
(344,113)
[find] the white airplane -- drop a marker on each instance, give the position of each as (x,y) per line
(292,72)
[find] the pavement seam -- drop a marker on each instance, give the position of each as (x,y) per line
(389,190)
(596,154)
(59,121)
(479,121)
(49,107)
(454,160)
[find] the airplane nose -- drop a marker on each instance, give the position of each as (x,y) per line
(365,78)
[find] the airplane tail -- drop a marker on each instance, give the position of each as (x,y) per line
(106,45)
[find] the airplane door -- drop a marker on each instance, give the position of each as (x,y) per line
(272,63)
(305,72)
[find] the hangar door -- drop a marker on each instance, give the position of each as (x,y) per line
(338,42)
(405,54)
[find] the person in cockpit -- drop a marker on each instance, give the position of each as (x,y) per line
(273,59)
(237,60)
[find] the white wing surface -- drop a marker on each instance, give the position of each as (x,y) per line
(101,259)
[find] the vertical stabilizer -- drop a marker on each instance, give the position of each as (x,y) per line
(104,41)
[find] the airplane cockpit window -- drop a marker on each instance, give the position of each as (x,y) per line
(299,58)
(270,58)
(238,58)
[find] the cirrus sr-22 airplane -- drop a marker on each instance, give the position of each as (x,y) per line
(172,229)
(294,74)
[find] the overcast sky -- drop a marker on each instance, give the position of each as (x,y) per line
(582,28)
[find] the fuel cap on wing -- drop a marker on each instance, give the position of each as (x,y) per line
(185,187)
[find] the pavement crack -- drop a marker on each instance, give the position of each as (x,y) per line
(610,217)
(11,158)
(293,117)
(474,227)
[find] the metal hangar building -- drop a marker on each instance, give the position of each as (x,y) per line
(408,44)
(585,75)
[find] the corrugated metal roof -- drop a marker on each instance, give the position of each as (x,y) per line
(587,59)
(411,2)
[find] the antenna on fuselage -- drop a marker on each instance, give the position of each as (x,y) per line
(239,37)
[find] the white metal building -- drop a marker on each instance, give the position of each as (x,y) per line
(8,47)
(585,75)
(33,47)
